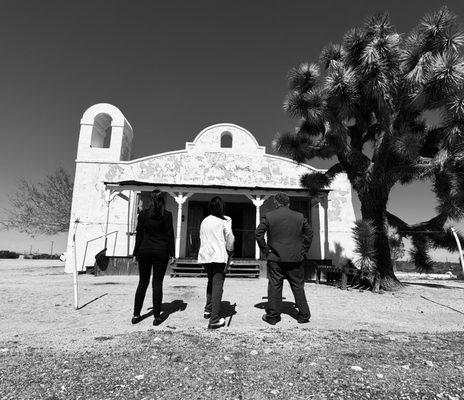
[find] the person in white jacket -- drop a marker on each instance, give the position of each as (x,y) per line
(216,244)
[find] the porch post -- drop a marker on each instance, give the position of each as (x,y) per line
(128,222)
(258,201)
(325,205)
(180,199)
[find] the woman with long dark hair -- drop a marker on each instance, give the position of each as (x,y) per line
(154,246)
(216,244)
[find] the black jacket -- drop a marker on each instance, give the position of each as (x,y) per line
(154,235)
(289,235)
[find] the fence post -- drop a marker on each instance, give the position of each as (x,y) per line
(76,300)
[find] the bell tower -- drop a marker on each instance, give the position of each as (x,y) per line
(105,139)
(105,135)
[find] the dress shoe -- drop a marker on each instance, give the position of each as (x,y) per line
(218,324)
(270,321)
(157,321)
(302,319)
(206,315)
(136,319)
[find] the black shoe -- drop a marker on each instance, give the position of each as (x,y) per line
(302,319)
(136,319)
(206,315)
(157,321)
(270,321)
(218,324)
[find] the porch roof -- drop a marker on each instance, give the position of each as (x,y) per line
(226,189)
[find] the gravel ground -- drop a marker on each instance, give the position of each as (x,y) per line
(358,345)
(298,363)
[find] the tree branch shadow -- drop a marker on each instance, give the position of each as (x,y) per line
(433,285)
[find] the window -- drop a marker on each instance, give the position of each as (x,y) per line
(101,132)
(226,140)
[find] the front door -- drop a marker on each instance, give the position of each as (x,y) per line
(197,211)
(243,227)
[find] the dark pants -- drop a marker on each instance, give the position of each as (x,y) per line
(159,265)
(214,289)
(294,273)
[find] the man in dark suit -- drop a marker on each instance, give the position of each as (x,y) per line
(289,237)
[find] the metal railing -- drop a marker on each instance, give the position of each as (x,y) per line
(99,237)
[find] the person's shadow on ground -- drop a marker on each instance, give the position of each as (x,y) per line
(287,307)
(167,309)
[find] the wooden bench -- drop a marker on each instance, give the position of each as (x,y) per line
(333,271)
(318,265)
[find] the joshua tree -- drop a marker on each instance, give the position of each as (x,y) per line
(366,104)
(44,208)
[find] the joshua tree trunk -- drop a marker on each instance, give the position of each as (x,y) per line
(374,208)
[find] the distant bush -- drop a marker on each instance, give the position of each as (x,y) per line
(8,254)
(440,267)
(45,256)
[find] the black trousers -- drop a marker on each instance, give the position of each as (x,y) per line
(147,262)
(294,273)
(214,289)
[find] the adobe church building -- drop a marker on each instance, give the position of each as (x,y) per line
(223,159)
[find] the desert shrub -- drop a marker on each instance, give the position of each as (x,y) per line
(8,254)
(45,256)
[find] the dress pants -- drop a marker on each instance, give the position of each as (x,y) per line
(147,262)
(294,273)
(214,289)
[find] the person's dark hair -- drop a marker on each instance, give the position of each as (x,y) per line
(282,199)
(216,207)
(158,204)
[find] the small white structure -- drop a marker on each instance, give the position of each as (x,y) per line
(223,159)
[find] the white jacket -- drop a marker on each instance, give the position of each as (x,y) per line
(216,238)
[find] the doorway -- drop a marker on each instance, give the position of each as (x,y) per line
(243,227)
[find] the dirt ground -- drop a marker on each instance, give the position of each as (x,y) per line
(37,306)
(359,345)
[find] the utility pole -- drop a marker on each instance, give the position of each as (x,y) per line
(51,250)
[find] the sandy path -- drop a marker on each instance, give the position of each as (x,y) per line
(37,306)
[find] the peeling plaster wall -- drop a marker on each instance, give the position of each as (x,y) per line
(203,162)
(341,219)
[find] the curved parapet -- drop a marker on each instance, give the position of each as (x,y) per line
(105,134)
(225,137)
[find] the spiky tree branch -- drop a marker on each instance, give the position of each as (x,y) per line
(375,89)
(42,208)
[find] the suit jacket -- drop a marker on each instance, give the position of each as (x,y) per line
(154,235)
(289,235)
(216,238)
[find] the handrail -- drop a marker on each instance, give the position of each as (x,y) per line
(461,257)
(99,237)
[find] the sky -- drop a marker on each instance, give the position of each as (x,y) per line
(173,68)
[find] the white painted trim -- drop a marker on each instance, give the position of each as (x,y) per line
(189,188)
(294,162)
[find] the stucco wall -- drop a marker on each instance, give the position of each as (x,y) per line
(202,162)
